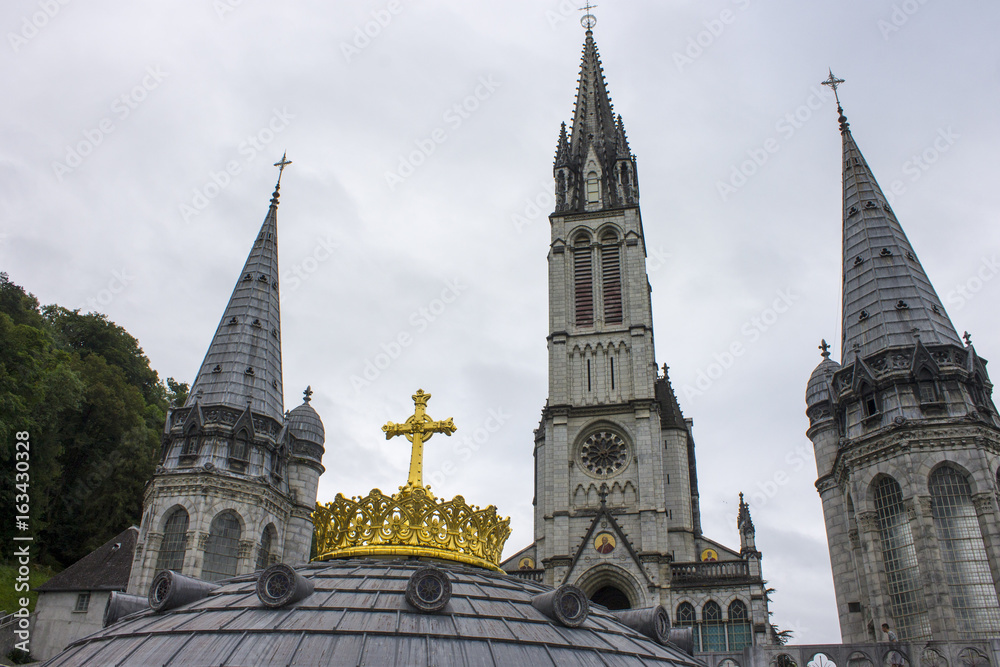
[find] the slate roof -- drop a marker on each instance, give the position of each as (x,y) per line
(107,568)
(818,389)
(358,615)
(887,294)
(243,362)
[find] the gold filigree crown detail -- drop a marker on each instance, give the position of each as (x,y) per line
(412,522)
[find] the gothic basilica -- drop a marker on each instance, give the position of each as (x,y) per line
(235,563)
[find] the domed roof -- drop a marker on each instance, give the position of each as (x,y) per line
(304,422)
(818,389)
(360,612)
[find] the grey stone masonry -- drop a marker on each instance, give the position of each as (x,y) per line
(616,491)
(907,443)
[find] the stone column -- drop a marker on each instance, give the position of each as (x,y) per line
(874,570)
(986,512)
(937,599)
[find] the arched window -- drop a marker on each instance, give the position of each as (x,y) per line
(241,447)
(906,601)
(266,542)
(686,619)
(174,541)
(967,569)
(221,551)
(739,626)
(593,188)
(713,630)
(611,278)
(583,281)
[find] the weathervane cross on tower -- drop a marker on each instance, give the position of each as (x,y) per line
(589,20)
(834,83)
(282,164)
(418,429)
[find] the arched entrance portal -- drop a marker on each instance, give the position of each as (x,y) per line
(611,597)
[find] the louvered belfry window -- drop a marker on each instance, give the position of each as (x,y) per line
(583,282)
(611,278)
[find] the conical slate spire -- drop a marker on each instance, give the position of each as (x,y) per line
(243,363)
(888,300)
(593,117)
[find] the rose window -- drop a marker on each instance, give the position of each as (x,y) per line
(604,453)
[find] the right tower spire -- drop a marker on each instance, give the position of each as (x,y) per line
(906,440)
(888,299)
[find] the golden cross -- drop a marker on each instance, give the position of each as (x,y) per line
(418,429)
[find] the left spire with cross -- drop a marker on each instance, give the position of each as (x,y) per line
(243,364)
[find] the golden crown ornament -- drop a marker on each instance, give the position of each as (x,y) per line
(412,522)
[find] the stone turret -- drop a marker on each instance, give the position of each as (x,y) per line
(236,483)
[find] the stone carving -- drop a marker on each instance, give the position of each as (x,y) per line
(931,658)
(983,502)
(868,521)
(970,657)
(821,660)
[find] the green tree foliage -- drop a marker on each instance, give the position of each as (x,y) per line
(83,388)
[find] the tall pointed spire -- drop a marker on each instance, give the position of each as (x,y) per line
(594,167)
(593,116)
(243,365)
(888,299)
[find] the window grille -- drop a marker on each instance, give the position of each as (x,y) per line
(221,551)
(713,629)
(174,541)
(686,618)
(740,634)
(965,563)
(900,559)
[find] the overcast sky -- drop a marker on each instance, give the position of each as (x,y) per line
(121,119)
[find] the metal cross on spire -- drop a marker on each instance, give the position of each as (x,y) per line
(834,83)
(418,429)
(281,165)
(589,20)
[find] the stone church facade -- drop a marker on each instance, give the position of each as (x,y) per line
(616,489)
(237,480)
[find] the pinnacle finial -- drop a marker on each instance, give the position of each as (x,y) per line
(307,394)
(834,83)
(588,20)
(825,347)
(967,337)
(281,167)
